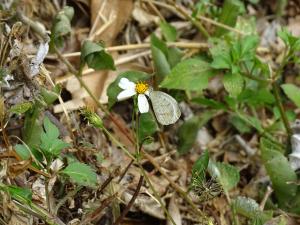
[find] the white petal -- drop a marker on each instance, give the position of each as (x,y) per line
(147,92)
(124,83)
(126,94)
(143,103)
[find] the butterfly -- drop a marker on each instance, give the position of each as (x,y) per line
(165,107)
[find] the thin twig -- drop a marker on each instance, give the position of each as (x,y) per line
(127,208)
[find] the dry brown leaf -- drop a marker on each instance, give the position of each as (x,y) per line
(146,204)
(174,211)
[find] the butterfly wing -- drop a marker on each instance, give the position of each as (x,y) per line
(165,107)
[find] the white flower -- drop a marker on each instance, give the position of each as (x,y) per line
(130,89)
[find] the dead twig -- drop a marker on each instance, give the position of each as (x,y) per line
(127,208)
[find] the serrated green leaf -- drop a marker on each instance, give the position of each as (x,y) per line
(190,75)
(21,108)
(96,57)
(81,174)
(283,179)
(147,125)
(113,89)
(169,32)
(187,132)
(200,166)
(293,93)
(227,175)
(233,84)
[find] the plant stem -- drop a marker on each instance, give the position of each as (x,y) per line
(281,109)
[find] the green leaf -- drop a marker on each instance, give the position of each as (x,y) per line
(290,41)
(159,52)
(174,56)
(50,144)
(249,208)
(240,124)
(21,108)
(96,57)
(233,84)
(209,102)
(147,125)
(187,132)
(52,131)
(249,44)
(200,166)
(19,194)
(283,179)
(189,75)
(230,11)
(227,175)
(113,89)
(22,151)
(169,32)
(49,96)
(81,174)
(61,26)
(293,93)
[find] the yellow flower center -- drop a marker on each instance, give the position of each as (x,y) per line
(141,87)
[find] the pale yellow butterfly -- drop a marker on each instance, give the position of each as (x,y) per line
(165,107)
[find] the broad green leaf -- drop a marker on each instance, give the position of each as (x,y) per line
(190,75)
(258,97)
(159,52)
(169,32)
(96,57)
(50,144)
(113,89)
(187,132)
(32,127)
(209,102)
(227,175)
(240,124)
(200,166)
(61,26)
(221,61)
(249,208)
(51,130)
(81,174)
(147,125)
(248,46)
(49,96)
(293,93)
(174,56)
(19,194)
(233,84)
(230,11)
(283,179)
(22,151)
(21,108)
